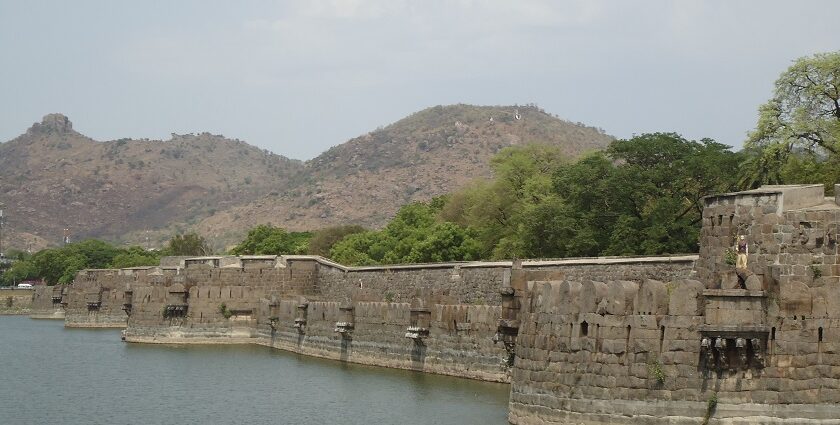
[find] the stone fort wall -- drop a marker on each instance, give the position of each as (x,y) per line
(15,301)
(757,345)
(439,318)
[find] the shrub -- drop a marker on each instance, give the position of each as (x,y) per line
(655,370)
(224,310)
(729,257)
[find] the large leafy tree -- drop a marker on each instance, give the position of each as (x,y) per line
(266,239)
(646,195)
(801,119)
(498,211)
(60,265)
(135,257)
(414,235)
(324,239)
(188,244)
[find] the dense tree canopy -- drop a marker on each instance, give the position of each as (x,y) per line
(60,265)
(797,137)
(323,240)
(643,195)
(266,239)
(415,235)
(188,244)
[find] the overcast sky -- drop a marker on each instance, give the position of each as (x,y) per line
(298,77)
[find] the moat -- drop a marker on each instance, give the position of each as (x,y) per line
(79,376)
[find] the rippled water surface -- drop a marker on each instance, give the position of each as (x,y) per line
(52,375)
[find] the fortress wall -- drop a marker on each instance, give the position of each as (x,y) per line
(785,245)
(480,282)
(461,301)
(607,370)
(577,364)
(459,342)
(44,306)
(16,301)
(784,302)
(96,297)
(585,341)
(606,269)
(465,284)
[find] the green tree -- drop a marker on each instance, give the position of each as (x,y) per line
(323,240)
(495,211)
(135,256)
(60,265)
(415,234)
(188,244)
(19,271)
(97,254)
(266,239)
(803,116)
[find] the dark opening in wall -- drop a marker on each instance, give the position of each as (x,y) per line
(584,329)
(820,334)
(627,339)
(773,333)
(661,338)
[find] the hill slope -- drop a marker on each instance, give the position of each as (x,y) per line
(53,177)
(430,153)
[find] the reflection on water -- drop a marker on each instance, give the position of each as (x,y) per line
(54,375)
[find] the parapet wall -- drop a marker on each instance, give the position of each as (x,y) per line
(15,301)
(46,302)
(440,318)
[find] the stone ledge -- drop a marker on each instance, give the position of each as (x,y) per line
(733,293)
(734,328)
(534,409)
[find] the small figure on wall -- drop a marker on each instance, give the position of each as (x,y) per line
(742,249)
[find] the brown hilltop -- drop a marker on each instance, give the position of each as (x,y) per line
(53,177)
(429,153)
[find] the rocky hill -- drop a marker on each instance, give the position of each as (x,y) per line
(429,153)
(53,177)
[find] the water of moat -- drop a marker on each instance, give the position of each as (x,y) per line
(49,374)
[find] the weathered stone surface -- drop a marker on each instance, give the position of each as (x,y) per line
(652,298)
(795,299)
(685,298)
(592,294)
(754,283)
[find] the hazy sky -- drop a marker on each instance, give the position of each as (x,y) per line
(298,77)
